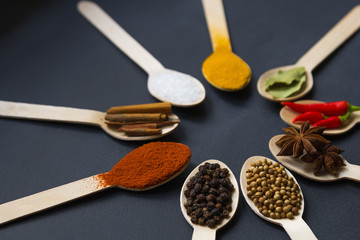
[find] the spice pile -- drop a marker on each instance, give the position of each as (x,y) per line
(140,120)
(311,147)
(273,192)
(148,165)
(329,115)
(285,83)
(209,195)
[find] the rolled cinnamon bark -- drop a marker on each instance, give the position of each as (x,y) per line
(136,117)
(142,131)
(161,107)
(135,126)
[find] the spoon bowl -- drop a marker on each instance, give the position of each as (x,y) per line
(305,88)
(233,69)
(59,195)
(287,115)
(204,232)
(180,89)
(296,228)
(349,171)
(343,30)
(74,115)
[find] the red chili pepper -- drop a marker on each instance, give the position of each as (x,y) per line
(312,117)
(333,121)
(329,109)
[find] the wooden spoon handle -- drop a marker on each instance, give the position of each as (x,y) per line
(203,233)
(41,201)
(346,27)
(297,229)
(352,172)
(216,21)
(118,36)
(50,113)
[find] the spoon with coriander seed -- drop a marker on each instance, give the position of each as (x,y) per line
(288,115)
(144,168)
(209,178)
(347,171)
(88,117)
(284,207)
(292,82)
(222,69)
(164,84)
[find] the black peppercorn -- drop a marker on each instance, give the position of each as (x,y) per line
(208,195)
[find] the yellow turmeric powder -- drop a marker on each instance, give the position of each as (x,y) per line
(226,71)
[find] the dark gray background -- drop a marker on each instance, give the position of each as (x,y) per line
(49,54)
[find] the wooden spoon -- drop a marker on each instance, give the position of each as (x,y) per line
(164,84)
(296,228)
(50,198)
(240,73)
(349,171)
(74,115)
(287,115)
(346,27)
(204,232)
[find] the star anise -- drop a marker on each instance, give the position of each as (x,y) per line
(328,157)
(294,143)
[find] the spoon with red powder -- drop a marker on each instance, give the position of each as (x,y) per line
(144,168)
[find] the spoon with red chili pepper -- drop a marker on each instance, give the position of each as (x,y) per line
(346,27)
(349,171)
(347,121)
(144,168)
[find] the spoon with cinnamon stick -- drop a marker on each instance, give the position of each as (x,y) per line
(129,123)
(159,163)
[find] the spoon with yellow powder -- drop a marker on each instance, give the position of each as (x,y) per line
(292,82)
(222,69)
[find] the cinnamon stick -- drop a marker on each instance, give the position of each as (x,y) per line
(135,126)
(162,107)
(142,131)
(136,117)
(159,123)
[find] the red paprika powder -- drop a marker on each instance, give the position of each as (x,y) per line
(148,165)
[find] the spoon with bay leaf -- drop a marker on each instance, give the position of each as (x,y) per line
(164,84)
(287,115)
(296,228)
(349,171)
(343,30)
(76,115)
(159,163)
(204,232)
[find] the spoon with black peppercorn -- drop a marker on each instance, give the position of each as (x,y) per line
(144,168)
(203,232)
(296,228)
(349,171)
(75,115)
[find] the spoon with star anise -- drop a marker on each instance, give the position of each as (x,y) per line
(311,155)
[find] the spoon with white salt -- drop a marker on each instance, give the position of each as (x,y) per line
(204,232)
(75,115)
(296,228)
(349,171)
(164,84)
(343,30)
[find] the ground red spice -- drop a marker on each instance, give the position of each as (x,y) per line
(148,165)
